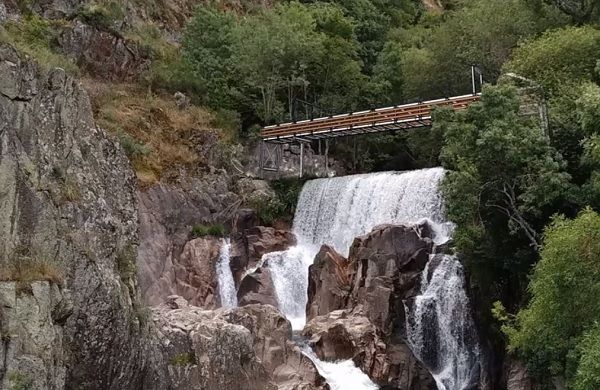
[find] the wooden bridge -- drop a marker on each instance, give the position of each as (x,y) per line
(387,119)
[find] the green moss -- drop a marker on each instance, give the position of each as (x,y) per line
(19,381)
(126,263)
(184,359)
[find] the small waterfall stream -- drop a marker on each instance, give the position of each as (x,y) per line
(225,281)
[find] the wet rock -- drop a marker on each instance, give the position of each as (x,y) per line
(388,262)
(329,283)
(517,376)
(248,247)
(167,214)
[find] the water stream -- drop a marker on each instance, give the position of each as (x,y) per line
(225,282)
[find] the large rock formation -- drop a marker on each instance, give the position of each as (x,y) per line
(247,348)
(167,214)
(31,326)
(67,200)
(356,304)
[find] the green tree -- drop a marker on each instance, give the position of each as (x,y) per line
(565,289)
(588,370)
(503,183)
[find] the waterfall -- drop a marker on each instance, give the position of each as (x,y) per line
(334,211)
(440,330)
(225,281)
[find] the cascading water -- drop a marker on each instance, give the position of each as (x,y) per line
(335,211)
(225,281)
(440,329)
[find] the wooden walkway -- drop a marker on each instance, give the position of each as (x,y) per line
(394,118)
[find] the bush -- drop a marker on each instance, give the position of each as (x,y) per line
(216,230)
(132,148)
(104,15)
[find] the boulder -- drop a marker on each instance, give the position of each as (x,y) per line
(329,283)
(195,272)
(388,262)
(257,287)
(247,348)
(345,334)
(248,247)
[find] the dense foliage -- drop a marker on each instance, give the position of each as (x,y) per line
(557,334)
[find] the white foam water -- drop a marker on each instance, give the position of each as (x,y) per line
(226,284)
(440,330)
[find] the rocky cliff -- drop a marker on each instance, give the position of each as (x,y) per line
(68,214)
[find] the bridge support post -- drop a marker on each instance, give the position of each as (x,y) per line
(301,158)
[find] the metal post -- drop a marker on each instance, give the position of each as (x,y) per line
(473,78)
(301,157)
(480,81)
(326,154)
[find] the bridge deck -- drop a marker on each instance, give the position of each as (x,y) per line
(402,117)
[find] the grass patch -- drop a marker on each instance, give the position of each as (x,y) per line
(151,40)
(26,270)
(37,37)
(156,135)
(216,230)
(183,359)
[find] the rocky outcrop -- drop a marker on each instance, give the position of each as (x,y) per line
(32,331)
(68,200)
(250,245)
(383,269)
(247,348)
(257,287)
(388,262)
(329,283)
(103,54)
(517,377)
(167,214)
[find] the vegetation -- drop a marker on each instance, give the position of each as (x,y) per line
(216,230)
(19,381)
(25,270)
(37,37)
(557,334)
(183,359)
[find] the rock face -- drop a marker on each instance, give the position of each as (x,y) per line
(31,325)
(102,53)
(68,199)
(257,287)
(249,245)
(517,377)
(329,283)
(167,214)
(356,304)
(246,348)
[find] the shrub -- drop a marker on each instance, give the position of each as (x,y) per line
(133,149)
(104,15)
(126,263)
(216,230)
(19,381)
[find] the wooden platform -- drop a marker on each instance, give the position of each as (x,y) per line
(385,119)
